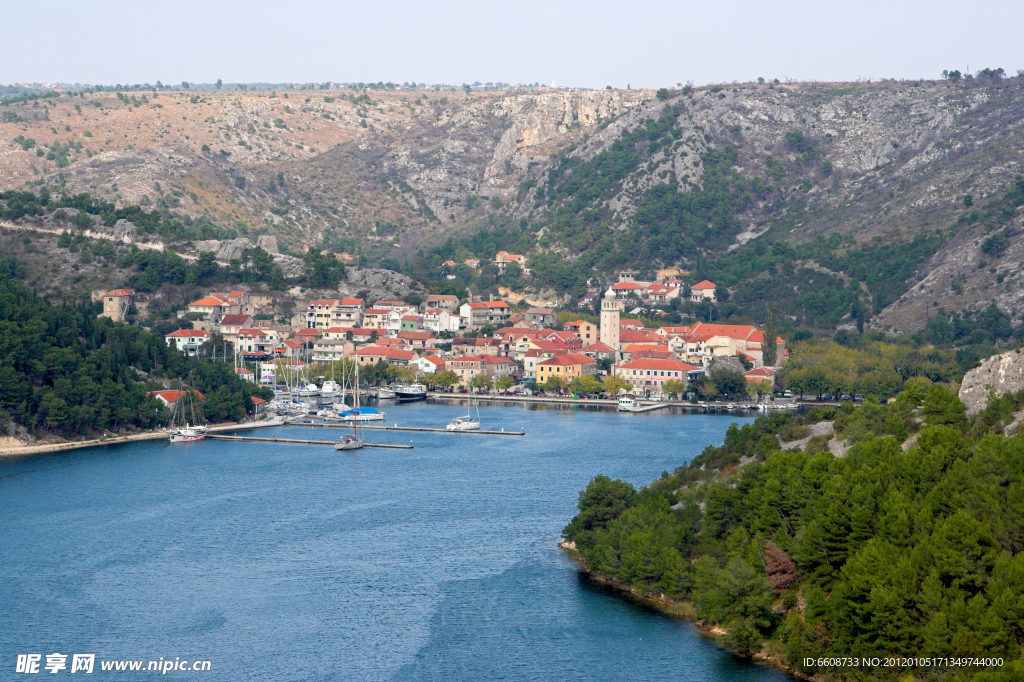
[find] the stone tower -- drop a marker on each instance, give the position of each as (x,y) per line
(610,308)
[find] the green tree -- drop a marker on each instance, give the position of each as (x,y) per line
(480,382)
(674,387)
(769,348)
(505,382)
(445,378)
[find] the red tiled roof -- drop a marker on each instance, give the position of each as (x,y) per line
(626,286)
(234,319)
(416,336)
(187,334)
(759,372)
(733,331)
(597,348)
(567,359)
(634,347)
(173,396)
(703,285)
(323,301)
(652,363)
(309,332)
(120,292)
(256,400)
(351,301)
(212,301)
(631,336)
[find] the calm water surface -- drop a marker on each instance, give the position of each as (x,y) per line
(292,562)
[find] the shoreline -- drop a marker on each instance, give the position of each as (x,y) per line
(25,450)
(664,606)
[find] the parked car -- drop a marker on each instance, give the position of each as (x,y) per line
(787,394)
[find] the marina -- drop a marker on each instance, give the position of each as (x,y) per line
(296,546)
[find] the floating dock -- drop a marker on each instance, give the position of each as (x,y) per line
(299,441)
(648,408)
(421,429)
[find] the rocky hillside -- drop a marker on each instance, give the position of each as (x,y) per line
(621,178)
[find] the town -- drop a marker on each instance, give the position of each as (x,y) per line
(478,345)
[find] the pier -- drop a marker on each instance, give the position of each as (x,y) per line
(420,429)
(299,441)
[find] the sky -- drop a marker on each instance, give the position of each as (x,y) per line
(579,44)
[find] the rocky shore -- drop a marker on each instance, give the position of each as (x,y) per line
(663,604)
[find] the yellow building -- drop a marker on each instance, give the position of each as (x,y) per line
(566,367)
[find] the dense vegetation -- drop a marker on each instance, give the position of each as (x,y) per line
(865,366)
(885,551)
(65,371)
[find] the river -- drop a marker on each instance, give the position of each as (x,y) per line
(294,562)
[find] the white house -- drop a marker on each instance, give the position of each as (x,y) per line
(187,340)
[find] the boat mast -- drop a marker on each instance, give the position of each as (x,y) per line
(355,405)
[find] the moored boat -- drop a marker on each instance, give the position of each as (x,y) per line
(466,423)
(413,391)
(362,414)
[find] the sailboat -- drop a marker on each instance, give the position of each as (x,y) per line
(466,423)
(353,442)
(187,433)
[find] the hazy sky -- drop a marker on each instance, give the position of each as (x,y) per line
(585,44)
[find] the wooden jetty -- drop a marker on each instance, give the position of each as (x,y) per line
(299,441)
(421,429)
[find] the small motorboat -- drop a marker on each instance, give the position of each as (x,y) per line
(308,391)
(628,403)
(414,391)
(385,393)
(330,390)
(362,414)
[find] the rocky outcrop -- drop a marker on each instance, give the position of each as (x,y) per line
(729,362)
(225,250)
(819,429)
(290,265)
(999,374)
(379,283)
(268,243)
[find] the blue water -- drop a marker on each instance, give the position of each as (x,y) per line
(292,562)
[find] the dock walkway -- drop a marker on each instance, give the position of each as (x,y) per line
(421,429)
(299,441)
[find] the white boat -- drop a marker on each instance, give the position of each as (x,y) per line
(186,434)
(330,390)
(385,393)
(308,391)
(628,403)
(185,411)
(362,414)
(413,391)
(466,423)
